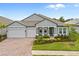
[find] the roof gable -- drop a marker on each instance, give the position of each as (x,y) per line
(16,23)
(46,23)
(47,20)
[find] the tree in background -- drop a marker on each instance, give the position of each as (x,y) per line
(2,28)
(69,19)
(55,19)
(62,19)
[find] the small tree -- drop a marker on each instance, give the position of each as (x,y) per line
(2,26)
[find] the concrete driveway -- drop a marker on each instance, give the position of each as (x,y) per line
(16,47)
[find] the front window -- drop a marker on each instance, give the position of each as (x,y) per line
(45,30)
(64,30)
(60,30)
(40,30)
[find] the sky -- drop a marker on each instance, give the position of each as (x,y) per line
(19,11)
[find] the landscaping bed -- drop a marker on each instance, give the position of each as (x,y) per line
(57,43)
(66,43)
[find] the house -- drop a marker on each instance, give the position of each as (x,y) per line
(34,25)
(5,21)
(75,24)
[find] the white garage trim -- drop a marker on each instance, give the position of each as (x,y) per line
(16,30)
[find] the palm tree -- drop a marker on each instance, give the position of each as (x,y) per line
(61,19)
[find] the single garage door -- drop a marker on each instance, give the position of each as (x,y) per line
(31,32)
(16,32)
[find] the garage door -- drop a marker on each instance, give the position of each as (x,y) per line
(16,32)
(31,32)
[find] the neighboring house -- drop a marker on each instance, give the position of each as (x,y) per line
(34,25)
(5,21)
(74,23)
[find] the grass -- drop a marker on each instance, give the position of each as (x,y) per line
(65,46)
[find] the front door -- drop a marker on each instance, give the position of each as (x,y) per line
(51,31)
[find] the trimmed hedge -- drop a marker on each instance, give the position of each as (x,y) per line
(3,37)
(43,41)
(46,36)
(41,37)
(63,38)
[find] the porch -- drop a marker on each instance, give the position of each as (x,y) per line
(46,31)
(52,31)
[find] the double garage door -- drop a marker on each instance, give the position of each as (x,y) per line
(16,32)
(19,32)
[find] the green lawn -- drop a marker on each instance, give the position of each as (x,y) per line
(56,46)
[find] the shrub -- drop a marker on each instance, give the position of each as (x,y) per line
(46,36)
(73,35)
(36,36)
(43,41)
(62,38)
(0,36)
(39,37)
(50,41)
(38,42)
(3,37)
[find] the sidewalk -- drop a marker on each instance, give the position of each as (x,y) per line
(58,53)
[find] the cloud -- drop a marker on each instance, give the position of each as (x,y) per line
(76,5)
(56,6)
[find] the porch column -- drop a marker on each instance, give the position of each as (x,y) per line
(48,31)
(58,30)
(62,31)
(67,31)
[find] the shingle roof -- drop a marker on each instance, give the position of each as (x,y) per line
(33,22)
(53,20)
(30,23)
